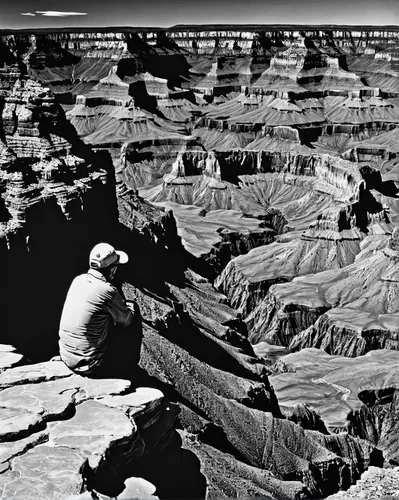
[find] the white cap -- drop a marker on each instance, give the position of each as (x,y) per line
(104,255)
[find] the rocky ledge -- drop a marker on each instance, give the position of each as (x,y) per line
(75,433)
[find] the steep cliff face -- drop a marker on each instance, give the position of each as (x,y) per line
(336,334)
(376,420)
(247,279)
(224,235)
(50,185)
(242,54)
(332,241)
(230,164)
(221,378)
(189,329)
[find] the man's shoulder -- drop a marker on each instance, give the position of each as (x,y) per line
(91,280)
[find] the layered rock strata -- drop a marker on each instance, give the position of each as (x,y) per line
(332,241)
(247,279)
(333,386)
(217,236)
(301,148)
(361,301)
(188,329)
(50,184)
(376,419)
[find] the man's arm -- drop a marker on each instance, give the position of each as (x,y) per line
(120,311)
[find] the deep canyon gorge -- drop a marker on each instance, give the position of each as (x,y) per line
(252,175)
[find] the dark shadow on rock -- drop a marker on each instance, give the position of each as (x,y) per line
(183,332)
(151,263)
(175,472)
(389,188)
(367,204)
(50,53)
(174,68)
(6,56)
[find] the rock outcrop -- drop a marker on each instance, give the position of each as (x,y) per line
(374,484)
(376,419)
(215,237)
(75,433)
(51,184)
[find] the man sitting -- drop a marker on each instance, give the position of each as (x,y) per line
(89,344)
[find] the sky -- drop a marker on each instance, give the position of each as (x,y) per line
(16,14)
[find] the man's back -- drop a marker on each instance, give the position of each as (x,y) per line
(92,302)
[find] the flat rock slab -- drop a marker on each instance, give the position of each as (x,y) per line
(45,472)
(330,384)
(136,488)
(93,430)
(35,373)
(24,406)
(143,400)
(9,357)
(17,422)
(55,429)
(11,449)
(46,398)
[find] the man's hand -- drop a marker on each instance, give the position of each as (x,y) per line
(131,304)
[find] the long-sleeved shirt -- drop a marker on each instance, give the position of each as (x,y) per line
(92,302)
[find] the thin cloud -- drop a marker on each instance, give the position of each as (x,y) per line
(58,13)
(27,14)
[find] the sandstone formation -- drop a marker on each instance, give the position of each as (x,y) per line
(251,173)
(207,343)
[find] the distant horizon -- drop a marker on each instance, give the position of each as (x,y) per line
(44,14)
(199,25)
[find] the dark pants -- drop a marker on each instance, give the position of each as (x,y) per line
(123,351)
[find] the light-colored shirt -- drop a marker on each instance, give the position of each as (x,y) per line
(92,302)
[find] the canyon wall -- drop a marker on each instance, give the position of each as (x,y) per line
(272,148)
(57,198)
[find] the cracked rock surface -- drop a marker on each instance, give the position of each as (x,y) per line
(60,432)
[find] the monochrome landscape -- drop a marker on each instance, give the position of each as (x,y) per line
(251,173)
